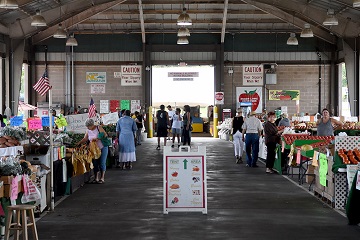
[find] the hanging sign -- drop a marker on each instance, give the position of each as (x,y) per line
(185,187)
(104,106)
(125,104)
(76,123)
(351,170)
(34,123)
(97,88)
(95,77)
(219,98)
(253,75)
(16,121)
(110,118)
(183,74)
(114,105)
(284,94)
(251,96)
(131,75)
(45,122)
(135,105)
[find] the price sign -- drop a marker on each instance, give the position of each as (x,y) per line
(34,123)
(16,121)
(45,121)
(125,104)
(185,181)
(114,104)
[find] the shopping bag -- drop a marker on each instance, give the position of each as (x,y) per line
(31,192)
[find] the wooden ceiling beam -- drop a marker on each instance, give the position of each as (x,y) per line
(169,21)
(141,16)
(190,11)
(223,28)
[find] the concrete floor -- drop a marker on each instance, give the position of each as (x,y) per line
(243,203)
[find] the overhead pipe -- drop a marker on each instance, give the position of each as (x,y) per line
(72,79)
(319,82)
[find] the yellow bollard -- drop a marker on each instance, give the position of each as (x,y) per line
(150,122)
(215,121)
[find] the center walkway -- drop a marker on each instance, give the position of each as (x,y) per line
(243,203)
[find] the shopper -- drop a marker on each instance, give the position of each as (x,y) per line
(252,127)
(272,137)
(285,121)
(2,123)
(171,113)
(139,125)
(125,133)
(237,123)
(325,124)
(162,125)
(176,126)
(92,134)
(187,121)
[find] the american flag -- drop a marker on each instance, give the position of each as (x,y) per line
(42,86)
(92,109)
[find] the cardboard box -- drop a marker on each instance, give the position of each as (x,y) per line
(7,179)
(310,170)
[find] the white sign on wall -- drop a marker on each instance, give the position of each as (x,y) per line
(76,123)
(110,118)
(253,75)
(135,105)
(131,75)
(97,88)
(219,98)
(117,74)
(250,96)
(104,106)
(183,74)
(185,188)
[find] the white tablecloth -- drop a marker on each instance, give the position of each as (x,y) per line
(11,151)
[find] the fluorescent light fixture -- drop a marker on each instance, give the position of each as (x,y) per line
(71,42)
(184,19)
(60,32)
(182,41)
(38,20)
(331,20)
(307,32)
(356,3)
(183,32)
(9,4)
(292,40)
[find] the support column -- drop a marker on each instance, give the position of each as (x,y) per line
(17,59)
(219,73)
(351,78)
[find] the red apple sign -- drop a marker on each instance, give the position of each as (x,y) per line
(252,97)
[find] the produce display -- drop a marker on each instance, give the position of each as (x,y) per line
(351,126)
(304,125)
(324,140)
(7,141)
(349,157)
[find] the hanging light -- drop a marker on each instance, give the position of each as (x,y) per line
(183,32)
(184,18)
(356,3)
(307,32)
(9,4)
(331,20)
(60,32)
(292,40)
(38,20)
(182,41)
(71,42)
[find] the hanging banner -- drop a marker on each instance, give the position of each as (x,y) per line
(110,118)
(219,98)
(76,123)
(97,88)
(185,187)
(104,106)
(114,105)
(251,96)
(135,105)
(125,104)
(284,94)
(95,77)
(131,75)
(253,75)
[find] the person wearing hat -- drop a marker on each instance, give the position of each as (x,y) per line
(284,121)
(252,127)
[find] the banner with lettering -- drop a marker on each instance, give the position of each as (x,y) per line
(250,96)
(95,77)
(253,75)
(284,94)
(131,75)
